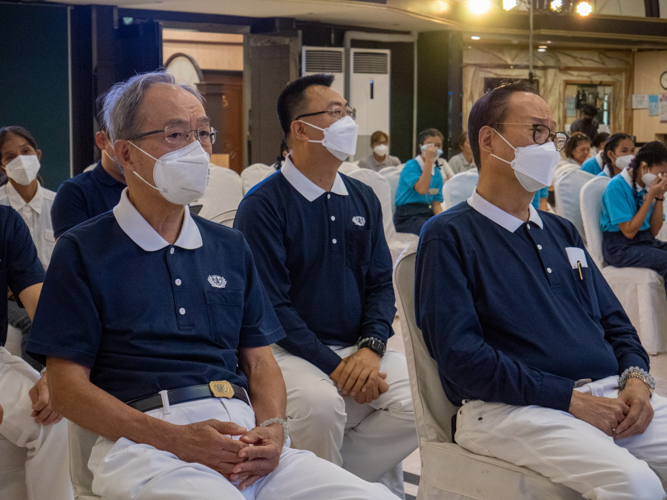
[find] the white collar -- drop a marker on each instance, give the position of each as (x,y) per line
(307,188)
(142,233)
(598,158)
(626,175)
(499,216)
(436,163)
(606,171)
(17,202)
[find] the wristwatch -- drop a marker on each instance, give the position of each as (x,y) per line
(375,345)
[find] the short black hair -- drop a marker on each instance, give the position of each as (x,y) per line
(7,132)
(590,110)
(425,134)
(491,109)
(600,139)
(99,112)
(293,96)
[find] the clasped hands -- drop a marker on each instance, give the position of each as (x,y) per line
(359,376)
(627,415)
(242,461)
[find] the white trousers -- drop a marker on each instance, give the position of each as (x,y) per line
(369,440)
(42,472)
(570,451)
(124,470)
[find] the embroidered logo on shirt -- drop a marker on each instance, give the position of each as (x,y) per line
(217,281)
(359,220)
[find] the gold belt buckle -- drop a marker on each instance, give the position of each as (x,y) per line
(221,389)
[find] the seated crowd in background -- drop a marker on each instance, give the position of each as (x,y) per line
(464,160)
(615,156)
(380,157)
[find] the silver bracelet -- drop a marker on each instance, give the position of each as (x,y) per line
(638,373)
(280,421)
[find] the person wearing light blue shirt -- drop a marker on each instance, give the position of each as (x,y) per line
(632,212)
(540,199)
(419,192)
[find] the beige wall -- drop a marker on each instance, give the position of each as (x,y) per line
(648,68)
(554,69)
(216,51)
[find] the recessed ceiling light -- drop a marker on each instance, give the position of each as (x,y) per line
(475,38)
(543,46)
(541,50)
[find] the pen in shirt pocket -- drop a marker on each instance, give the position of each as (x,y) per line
(581,276)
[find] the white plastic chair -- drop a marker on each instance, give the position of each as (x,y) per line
(640,291)
(347,168)
(223,193)
(81,444)
(254,174)
(450,472)
(393,176)
(397,242)
(460,187)
(567,191)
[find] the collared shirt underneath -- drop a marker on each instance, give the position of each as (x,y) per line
(147,316)
(37,216)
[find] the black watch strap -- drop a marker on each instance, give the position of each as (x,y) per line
(374,344)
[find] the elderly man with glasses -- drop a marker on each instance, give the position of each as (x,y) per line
(529,339)
(156,329)
(318,240)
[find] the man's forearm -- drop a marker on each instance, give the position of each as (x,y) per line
(88,406)
(267,392)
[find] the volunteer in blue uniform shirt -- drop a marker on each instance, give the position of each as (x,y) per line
(540,199)
(419,191)
(616,155)
(156,329)
(633,214)
(318,240)
(29,420)
(90,193)
(527,334)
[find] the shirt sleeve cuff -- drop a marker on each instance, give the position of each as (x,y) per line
(263,339)
(556,392)
(632,359)
(326,360)
(40,352)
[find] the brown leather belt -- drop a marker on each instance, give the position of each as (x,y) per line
(218,389)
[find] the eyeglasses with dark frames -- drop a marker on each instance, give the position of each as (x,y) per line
(543,134)
(336,112)
(179,135)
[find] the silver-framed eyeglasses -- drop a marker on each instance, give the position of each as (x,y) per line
(335,111)
(543,134)
(179,135)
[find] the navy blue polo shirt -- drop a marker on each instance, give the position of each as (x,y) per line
(83,197)
(20,267)
(147,316)
(323,259)
(506,314)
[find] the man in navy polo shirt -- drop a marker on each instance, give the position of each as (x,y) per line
(156,329)
(28,420)
(318,240)
(527,334)
(90,193)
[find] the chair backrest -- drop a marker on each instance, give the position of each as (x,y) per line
(347,168)
(433,411)
(381,188)
(591,208)
(81,444)
(254,174)
(393,175)
(460,187)
(225,218)
(567,190)
(223,193)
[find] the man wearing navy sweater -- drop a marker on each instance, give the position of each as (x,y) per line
(527,335)
(318,242)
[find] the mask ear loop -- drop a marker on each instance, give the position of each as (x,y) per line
(318,128)
(513,148)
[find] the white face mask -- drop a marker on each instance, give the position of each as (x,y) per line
(381,149)
(624,161)
(438,153)
(181,176)
(534,165)
(340,138)
(23,169)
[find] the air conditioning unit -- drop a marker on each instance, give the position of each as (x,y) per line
(325,60)
(369,93)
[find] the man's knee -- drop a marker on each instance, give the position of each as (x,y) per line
(642,483)
(320,403)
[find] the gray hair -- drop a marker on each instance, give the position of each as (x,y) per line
(122,103)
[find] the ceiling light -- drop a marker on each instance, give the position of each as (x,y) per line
(479,6)
(509,4)
(475,38)
(541,50)
(556,5)
(584,8)
(543,46)
(441,7)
